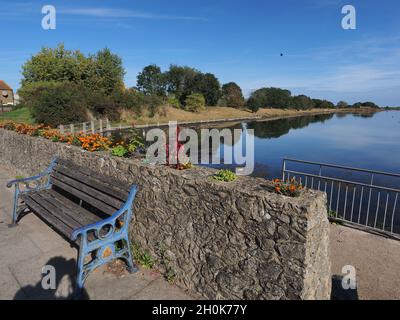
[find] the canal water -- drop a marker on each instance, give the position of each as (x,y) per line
(369,141)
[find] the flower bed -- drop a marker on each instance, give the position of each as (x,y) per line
(88,142)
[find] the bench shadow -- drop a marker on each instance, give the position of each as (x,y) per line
(338,293)
(64,282)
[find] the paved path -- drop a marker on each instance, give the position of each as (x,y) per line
(24,250)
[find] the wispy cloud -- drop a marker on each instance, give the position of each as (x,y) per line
(370,65)
(124,14)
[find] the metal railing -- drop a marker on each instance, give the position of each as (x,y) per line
(368,199)
(93,126)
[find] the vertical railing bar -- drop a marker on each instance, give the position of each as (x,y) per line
(312,182)
(330,200)
(377,209)
(345,203)
(386,207)
(319,180)
(394,211)
(337,201)
(369,205)
(369,198)
(361,201)
(283,170)
(352,204)
(305,183)
(326,183)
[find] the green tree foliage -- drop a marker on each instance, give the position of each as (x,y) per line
(269,97)
(179,81)
(105,72)
(58,103)
(369,104)
(151,81)
(184,81)
(232,95)
(102,71)
(323,104)
(57,64)
(302,102)
(195,102)
(342,104)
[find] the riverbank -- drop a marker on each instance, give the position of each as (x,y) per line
(224,114)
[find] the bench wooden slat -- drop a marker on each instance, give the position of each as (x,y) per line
(107,209)
(90,180)
(47,216)
(44,202)
(69,208)
(107,180)
(90,191)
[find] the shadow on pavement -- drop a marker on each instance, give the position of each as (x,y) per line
(64,283)
(338,293)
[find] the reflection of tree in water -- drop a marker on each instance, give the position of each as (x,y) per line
(278,128)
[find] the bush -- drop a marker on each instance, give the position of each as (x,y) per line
(225,175)
(153,103)
(174,102)
(195,102)
(232,96)
(57,103)
(269,97)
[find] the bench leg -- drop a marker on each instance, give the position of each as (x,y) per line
(15,214)
(80,274)
(129,259)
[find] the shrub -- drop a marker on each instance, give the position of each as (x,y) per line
(269,97)
(57,103)
(174,102)
(119,151)
(225,175)
(232,95)
(195,102)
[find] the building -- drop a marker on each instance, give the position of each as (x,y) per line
(6,94)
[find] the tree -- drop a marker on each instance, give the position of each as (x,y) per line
(208,85)
(58,64)
(195,102)
(105,72)
(151,81)
(232,95)
(302,102)
(179,80)
(342,104)
(370,104)
(323,104)
(102,71)
(269,97)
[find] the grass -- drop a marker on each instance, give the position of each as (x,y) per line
(216,113)
(18,115)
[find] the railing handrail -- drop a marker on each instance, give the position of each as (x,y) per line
(343,167)
(342,180)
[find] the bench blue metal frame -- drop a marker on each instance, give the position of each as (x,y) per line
(102,248)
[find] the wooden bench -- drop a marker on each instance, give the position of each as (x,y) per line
(90,210)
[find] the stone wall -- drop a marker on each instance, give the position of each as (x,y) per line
(222,240)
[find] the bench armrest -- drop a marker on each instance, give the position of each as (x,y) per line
(26,181)
(126,210)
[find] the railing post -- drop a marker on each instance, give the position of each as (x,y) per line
(283,169)
(92,126)
(101,126)
(84,127)
(71,128)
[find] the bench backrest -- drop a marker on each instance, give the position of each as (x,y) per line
(103,194)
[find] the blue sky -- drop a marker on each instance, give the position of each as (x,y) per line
(237,40)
